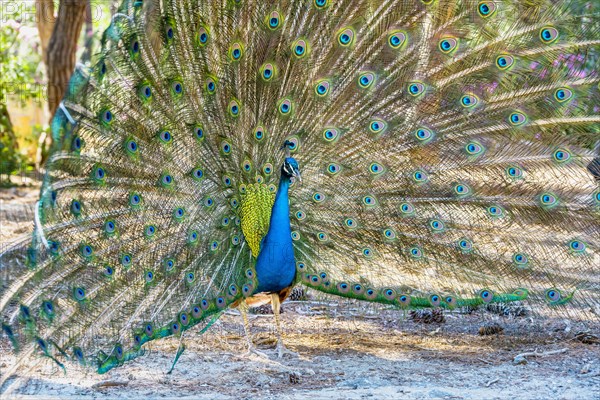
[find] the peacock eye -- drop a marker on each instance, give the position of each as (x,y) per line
(165,136)
(274,20)
(234,108)
(517,118)
(416,88)
(396,39)
(177,88)
(330,134)
(504,62)
(300,48)
(563,94)
(203,36)
(210,85)
(322,88)
(285,107)
(548,34)
(320,4)
(448,45)
(474,148)
(366,79)
(236,51)
(561,155)
(469,100)
(486,9)
(424,135)
(169,32)
(346,37)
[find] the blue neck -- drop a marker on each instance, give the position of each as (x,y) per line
(276,266)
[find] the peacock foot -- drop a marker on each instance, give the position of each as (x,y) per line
(281,350)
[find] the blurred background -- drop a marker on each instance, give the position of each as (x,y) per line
(40,43)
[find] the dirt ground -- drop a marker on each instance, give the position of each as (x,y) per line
(345,351)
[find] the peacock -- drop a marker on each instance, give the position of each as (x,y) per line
(420,154)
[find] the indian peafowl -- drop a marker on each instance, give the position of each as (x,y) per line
(413,153)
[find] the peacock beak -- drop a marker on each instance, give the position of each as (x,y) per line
(297,175)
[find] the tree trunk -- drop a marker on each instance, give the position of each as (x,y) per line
(62,49)
(45,24)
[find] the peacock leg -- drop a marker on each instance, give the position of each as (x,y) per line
(276,305)
(243,307)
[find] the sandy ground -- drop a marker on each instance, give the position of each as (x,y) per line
(345,351)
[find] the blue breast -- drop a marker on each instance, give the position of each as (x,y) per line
(276,266)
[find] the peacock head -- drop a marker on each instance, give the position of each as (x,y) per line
(290,166)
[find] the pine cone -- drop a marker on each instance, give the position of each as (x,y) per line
(428,316)
(492,329)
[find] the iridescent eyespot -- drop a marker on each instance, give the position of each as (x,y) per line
(420,176)
(389,234)
(462,189)
(436,225)
(268,71)
(197,174)
(474,148)
(300,215)
(346,37)
(318,197)
(320,4)
(434,300)
(404,300)
(199,133)
(165,136)
(495,211)
(203,36)
(369,201)
(330,134)
(169,32)
(285,106)
(179,213)
(322,236)
(486,8)
(465,245)
(376,168)
(177,88)
(424,135)
(98,174)
(504,62)
(134,47)
(87,251)
(514,172)
(333,169)
(517,118)
(396,39)
(234,108)
(548,200)
(300,48)
(406,208)
(131,146)
(553,295)
(486,295)
(110,227)
(469,100)
(416,88)
(322,88)
(193,237)
(236,51)
(150,230)
(134,199)
(561,155)
(169,264)
(225,147)
(79,294)
(273,20)
(521,260)
(126,260)
(268,169)
(448,45)
(76,207)
(367,252)
(211,85)
(247,166)
(214,245)
(415,252)
(563,94)
(366,79)
(350,223)
(106,117)
(295,235)
(225,221)
(577,246)
(548,34)
(208,202)
(377,126)
(166,180)
(76,143)
(259,133)
(293,144)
